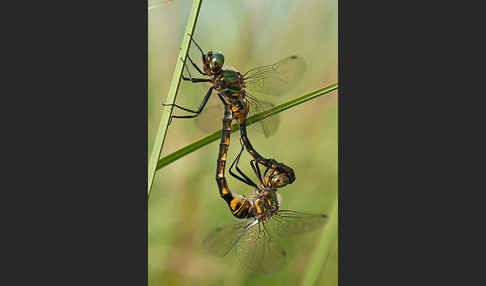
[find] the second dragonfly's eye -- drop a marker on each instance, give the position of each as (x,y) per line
(280,181)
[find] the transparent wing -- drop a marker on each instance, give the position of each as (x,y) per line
(220,241)
(268,125)
(257,252)
(287,223)
(211,118)
(275,79)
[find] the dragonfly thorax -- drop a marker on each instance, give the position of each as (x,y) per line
(229,83)
(264,204)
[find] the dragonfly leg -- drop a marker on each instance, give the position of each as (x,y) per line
(196,79)
(188,72)
(221,98)
(245,178)
(256,169)
(195,66)
(201,107)
(192,39)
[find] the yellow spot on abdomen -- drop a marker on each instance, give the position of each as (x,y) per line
(234,203)
(225,191)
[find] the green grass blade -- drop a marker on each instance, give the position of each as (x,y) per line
(321,253)
(174,86)
(258,117)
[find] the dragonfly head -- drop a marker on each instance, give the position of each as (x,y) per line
(280,180)
(280,176)
(213,62)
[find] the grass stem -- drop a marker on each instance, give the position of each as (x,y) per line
(171,97)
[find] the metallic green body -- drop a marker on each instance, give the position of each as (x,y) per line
(230,83)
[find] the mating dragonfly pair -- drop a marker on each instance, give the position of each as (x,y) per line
(261,217)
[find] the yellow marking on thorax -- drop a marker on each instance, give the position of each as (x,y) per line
(223,157)
(227,140)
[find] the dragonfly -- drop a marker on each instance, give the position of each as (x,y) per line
(243,92)
(261,222)
(280,176)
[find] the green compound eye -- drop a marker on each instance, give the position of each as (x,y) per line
(217,60)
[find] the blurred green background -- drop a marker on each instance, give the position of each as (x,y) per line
(184,203)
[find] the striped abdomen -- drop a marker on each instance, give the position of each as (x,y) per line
(238,205)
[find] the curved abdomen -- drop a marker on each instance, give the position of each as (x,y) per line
(238,205)
(270,163)
(277,167)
